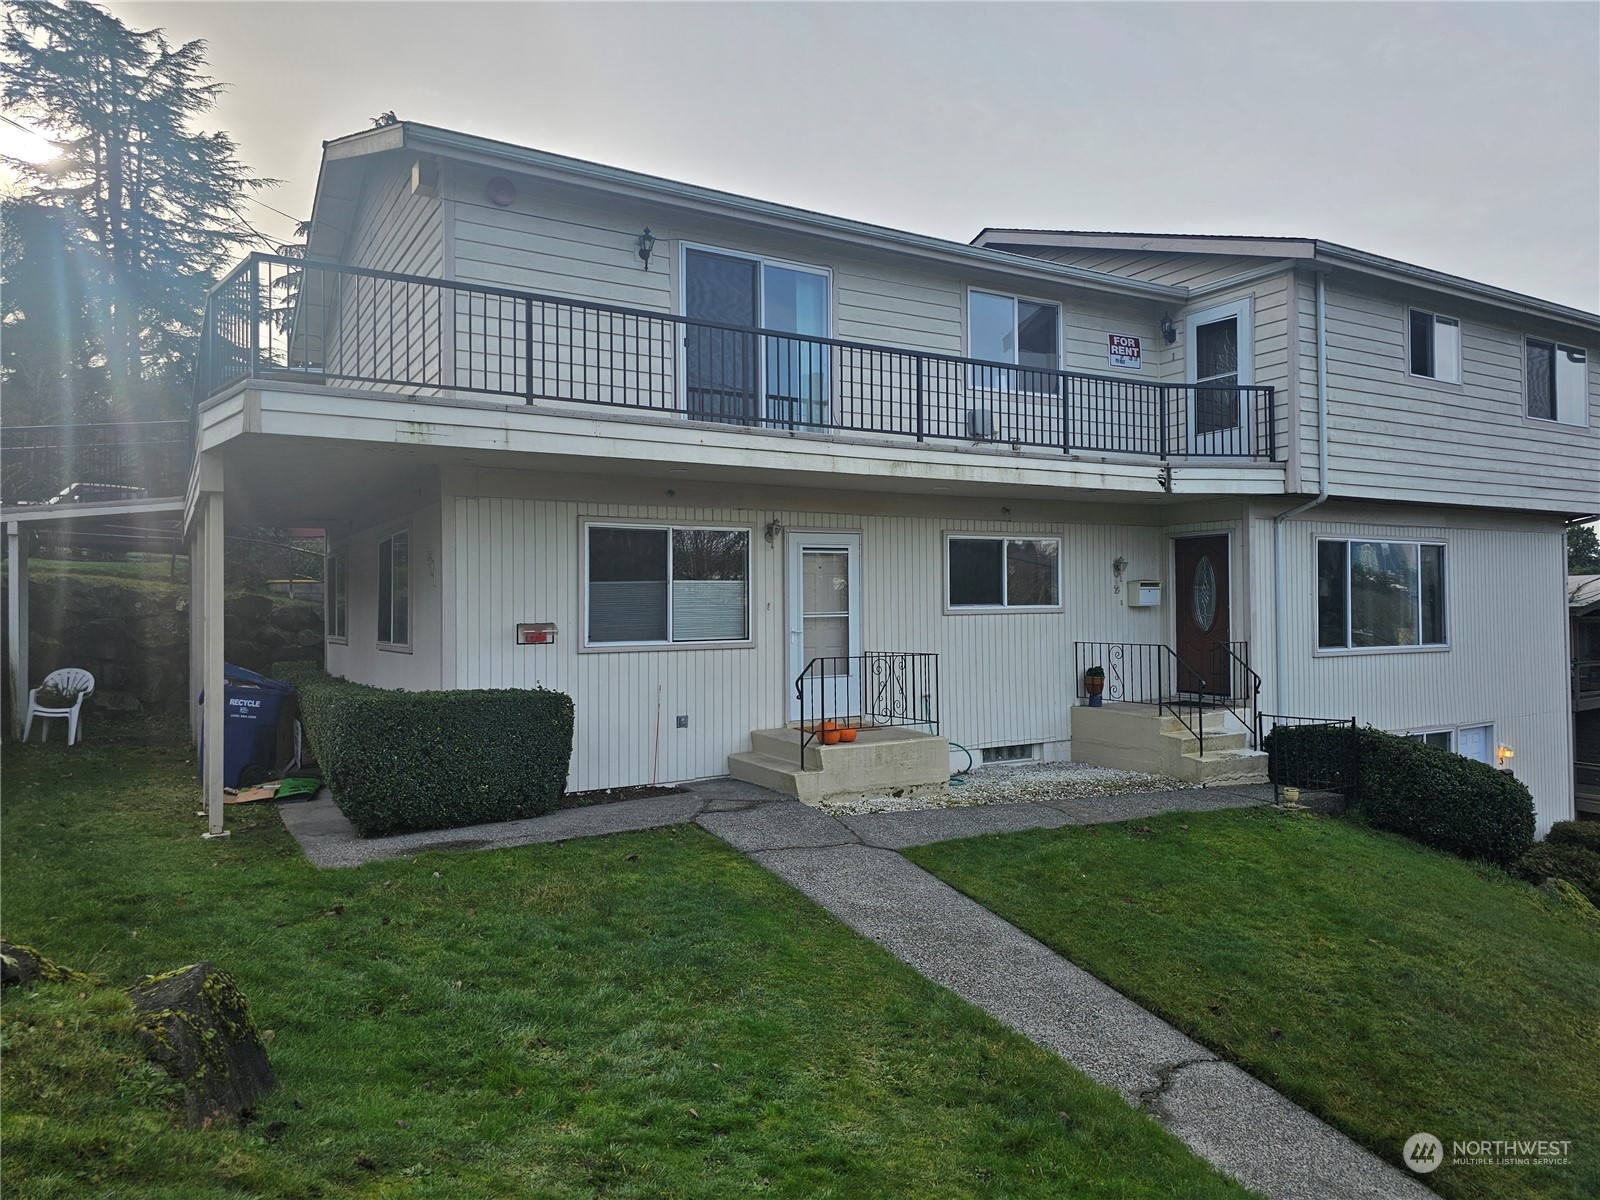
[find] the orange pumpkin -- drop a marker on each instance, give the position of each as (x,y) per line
(831,737)
(847,735)
(829,726)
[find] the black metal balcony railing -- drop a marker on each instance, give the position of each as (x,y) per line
(59,464)
(880,689)
(283,318)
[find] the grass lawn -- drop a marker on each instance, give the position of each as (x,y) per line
(646,1015)
(1386,987)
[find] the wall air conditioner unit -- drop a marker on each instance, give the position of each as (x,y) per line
(980,424)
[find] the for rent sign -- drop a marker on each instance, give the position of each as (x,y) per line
(1125,351)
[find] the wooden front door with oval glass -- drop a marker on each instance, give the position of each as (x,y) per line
(1200,598)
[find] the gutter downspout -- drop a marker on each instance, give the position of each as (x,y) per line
(1280,635)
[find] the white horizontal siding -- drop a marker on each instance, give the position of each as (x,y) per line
(1506,662)
(1405,438)
(1177,270)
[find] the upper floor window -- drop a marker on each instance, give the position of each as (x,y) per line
(658,585)
(394,589)
(335,589)
(1009,329)
(1379,594)
(1435,346)
(996,572)
(1557,382)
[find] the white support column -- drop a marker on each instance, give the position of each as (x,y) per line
(197,614)
(17,620)
(210,544)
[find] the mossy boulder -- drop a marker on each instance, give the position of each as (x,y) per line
(195,1024)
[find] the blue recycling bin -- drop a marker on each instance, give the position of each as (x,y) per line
(253,713)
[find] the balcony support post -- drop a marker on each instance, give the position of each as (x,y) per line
(922,419)
(17,621)
(206,564)
(528,391)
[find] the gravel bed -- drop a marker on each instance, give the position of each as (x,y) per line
(1015,783)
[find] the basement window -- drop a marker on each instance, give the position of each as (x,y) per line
(1435,347)
(394,590)
(1022,752)
(667,585)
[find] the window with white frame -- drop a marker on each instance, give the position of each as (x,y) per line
(666,585)
(1435,346)
(394,589)
(335,597)
(1470,741)
(1557,382)
(1379,594)
(1003,572)
(1010,329)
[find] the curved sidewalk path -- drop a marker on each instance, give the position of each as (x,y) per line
(849,865)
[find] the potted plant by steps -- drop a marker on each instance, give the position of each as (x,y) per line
(1094,683)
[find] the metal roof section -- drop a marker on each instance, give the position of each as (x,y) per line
(1312,249)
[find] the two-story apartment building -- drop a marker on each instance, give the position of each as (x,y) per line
(711,464)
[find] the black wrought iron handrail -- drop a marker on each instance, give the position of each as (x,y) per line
(1148,673)
(880,689)
(1313,753)
(285,318)
(1231,661)
(103,460)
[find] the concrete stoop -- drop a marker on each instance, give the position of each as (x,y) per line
(1139,737)
(880,762)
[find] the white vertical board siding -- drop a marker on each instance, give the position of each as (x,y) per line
(359,658)
(1004,678)
(1507,659)
(384,330)
(1406,438)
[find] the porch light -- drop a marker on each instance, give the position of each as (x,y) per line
(1169,331)
(647,246)
(1503,755)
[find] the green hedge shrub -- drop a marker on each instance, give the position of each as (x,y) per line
(400,762)
(1430,795)
(1583,834)
(1551,859)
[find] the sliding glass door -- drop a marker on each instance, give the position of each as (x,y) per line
(747,379)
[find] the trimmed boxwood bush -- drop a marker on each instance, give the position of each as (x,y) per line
(400,762)
(1430,795)
(1551,859)
(1583,834)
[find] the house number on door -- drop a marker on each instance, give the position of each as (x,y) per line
(1205,594)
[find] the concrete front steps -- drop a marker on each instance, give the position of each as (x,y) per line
(1140,737)
(880,762)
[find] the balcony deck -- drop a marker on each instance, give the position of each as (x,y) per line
(280,320)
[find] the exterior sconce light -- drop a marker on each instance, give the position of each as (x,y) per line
(1503,755)
(1118,566)
(647,246)
(1169,331)
(773,531)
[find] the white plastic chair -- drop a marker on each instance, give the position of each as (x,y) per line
(68,679)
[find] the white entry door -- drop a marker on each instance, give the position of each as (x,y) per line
(1220,353)
(824,575)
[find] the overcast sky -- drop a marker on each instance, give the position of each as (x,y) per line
(1464,137)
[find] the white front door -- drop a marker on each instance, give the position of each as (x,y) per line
(824,575)
(1220,352)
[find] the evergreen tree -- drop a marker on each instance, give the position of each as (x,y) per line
(144,211)
(1583,550)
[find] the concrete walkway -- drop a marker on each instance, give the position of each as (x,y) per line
(848,865)
(1226,1116)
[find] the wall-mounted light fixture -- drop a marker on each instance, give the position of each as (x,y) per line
(647,246)
(1503,755)
(773,531)
(1169,331)
(1118,566)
